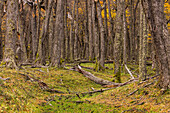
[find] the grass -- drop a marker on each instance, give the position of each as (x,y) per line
(21,95)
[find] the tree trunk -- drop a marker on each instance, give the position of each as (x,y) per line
(102,32)
(95,30)
(141,42)
(76,32)
(124,34)
(11,34)
(118,36)
(66,31)
(22,19)
(71,32)
(106,30)
(59,31)
(44,33)
(90,29)
(154,10)
(86,48)
(34,32)
(1,15)
(111,28)
(131,29)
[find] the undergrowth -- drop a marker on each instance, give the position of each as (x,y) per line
(22,95)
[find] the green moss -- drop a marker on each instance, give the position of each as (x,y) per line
(96,68)
(118,76)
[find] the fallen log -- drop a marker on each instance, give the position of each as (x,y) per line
(94,78)
(100,81)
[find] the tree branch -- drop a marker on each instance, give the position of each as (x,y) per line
(129,71)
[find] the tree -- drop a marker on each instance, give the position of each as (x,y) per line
(44,33)
(1,15)
(11,35)
(102,35)
(154,11)
(59,31)
(118,38)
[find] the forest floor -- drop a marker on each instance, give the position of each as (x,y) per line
(24,93)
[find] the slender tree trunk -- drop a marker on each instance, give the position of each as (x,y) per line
(118,36)
(44,33)
(59,31)
(21,30)
(71,33)
(76,32)
(90,30)
(106,30)
(95,31)
(124,34)
(131,29)
(66,32)
(111,28)
(34,31)
(86,48)
(1,15)
(141,74)
(102,32)
(145,36)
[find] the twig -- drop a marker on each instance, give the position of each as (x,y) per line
(91,92)
(148,79)
(133,92)
(140,88)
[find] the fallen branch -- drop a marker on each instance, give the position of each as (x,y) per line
(93,68)
(41,84)
(148,79)
(4,78)
(26,64)
(38,66)
(140,88)
(87,67)
(91,92)
(129,71)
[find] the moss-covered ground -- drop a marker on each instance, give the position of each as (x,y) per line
(21,95)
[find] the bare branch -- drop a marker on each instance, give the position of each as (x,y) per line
(129,71)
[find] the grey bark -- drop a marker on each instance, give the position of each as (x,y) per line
(111,28)
(44,33)
(59,31)
(21,20)
(90,30)
(76,32)
(154,11)
(118,37)
(71,33)
(1,15)
(11,35)
(34,31)
(95,30)
(102,32)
